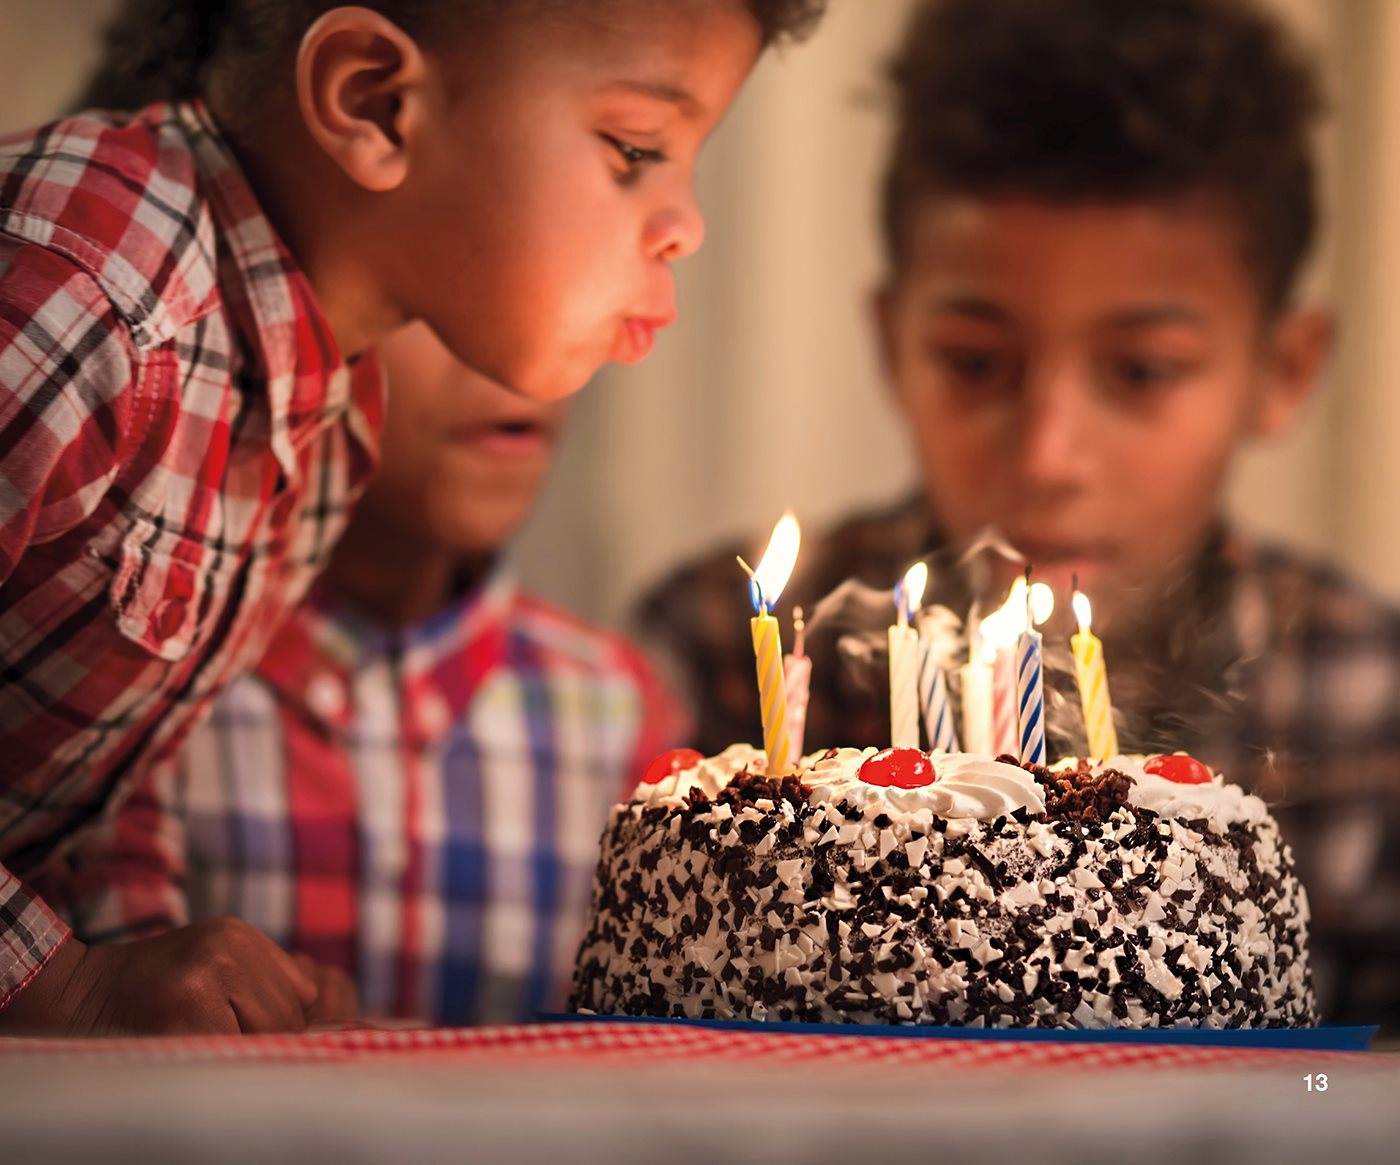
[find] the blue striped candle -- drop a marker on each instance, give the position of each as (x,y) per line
(933,699)
(1030,697)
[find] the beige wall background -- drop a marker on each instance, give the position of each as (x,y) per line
(767,394)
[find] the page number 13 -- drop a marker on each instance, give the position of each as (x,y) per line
(1316,1081)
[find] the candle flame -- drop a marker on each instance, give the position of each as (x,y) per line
(1002,626)
(915,583)
(775,567)
(1082,611)
(1042,602)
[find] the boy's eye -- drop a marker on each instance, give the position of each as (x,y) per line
(635,156)
(973,367)
(1144,373)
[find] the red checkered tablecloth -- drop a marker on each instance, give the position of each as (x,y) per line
(604,1043)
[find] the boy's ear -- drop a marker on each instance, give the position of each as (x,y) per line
(361,89)
(1298,347)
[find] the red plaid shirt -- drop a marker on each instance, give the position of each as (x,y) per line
(179,441)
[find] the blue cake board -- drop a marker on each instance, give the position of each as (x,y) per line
(1327,1038)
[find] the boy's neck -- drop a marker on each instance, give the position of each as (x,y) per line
(396,580)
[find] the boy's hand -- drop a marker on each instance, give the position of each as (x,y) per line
(221,975)
(336,999)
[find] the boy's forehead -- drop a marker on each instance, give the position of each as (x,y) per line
(673,52)
(1037,253)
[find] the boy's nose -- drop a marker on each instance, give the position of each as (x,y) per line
(676,231)
(1056,432)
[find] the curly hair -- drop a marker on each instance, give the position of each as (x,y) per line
(1101,100)
(162,49)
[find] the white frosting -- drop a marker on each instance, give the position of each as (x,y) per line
(967,785)
(709,775)
(1219,800)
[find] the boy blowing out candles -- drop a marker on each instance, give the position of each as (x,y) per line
(187,410)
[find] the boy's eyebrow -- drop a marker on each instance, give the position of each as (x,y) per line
(969,305)
(659,91)
(1166,313)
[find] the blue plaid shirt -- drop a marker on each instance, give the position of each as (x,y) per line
(419,808)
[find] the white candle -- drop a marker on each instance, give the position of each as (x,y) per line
(904,659)
(976,676)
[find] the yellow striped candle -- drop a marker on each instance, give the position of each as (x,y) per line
(1092,675)
(772,692)
(765,585)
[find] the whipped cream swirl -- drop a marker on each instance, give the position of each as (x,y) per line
(967,786)
(1219,800)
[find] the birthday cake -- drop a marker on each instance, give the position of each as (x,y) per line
(946,888)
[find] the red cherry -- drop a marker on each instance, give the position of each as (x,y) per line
(667,764)
(904,768)
(1183,769)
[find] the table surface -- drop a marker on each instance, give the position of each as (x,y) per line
(649,1092)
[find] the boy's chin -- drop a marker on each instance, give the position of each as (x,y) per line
(547,384)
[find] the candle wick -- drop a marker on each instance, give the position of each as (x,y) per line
(799,632)
(757,586)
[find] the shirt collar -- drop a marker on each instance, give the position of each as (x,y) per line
(440,662)
(287,342)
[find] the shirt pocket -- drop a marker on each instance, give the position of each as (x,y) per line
(169,591)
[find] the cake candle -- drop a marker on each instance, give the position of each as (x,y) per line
(976,684)
(904,659)
(1092,674)
(939,730)
(1004,739)
(1030,684)
(797,684)
(765,585)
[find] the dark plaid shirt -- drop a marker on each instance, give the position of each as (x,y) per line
(1277,672)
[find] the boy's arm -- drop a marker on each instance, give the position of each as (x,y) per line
(66,363)
(67,397)
(126,879)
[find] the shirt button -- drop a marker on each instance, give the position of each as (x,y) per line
(167,619)
(325,695)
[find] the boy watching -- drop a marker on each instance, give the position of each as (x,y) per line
(1094,216)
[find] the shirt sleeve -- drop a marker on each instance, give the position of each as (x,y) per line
(30,933)
(126,877)
(66,388)
(67,391)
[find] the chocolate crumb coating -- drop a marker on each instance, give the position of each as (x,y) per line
(759,904)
